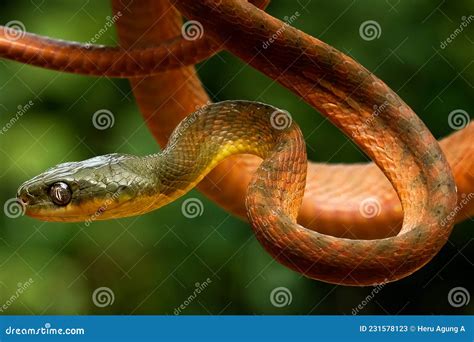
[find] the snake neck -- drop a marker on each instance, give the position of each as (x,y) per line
(205,138)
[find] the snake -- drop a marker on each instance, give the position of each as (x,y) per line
(346,93)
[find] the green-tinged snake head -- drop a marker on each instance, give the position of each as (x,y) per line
(95,189)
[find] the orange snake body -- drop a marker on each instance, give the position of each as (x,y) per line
(340,89)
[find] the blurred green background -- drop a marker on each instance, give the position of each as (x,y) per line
(152,263)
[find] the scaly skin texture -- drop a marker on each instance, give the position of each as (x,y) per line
(135,185)
(117,185)
(166,98)
(395,139)
(334,195)
(325,207)
(99,60)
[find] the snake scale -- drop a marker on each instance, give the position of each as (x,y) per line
(331,82)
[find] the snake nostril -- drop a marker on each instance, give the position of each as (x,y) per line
(22,198)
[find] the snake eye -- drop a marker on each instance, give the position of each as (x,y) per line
(60,193)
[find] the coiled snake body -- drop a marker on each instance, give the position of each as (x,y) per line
(73,192)
(346,93)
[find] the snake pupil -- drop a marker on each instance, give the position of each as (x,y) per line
(60,193)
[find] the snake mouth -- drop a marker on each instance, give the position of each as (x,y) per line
(97,209)
(46,211)
(23,197)
(23,200)
(44,215)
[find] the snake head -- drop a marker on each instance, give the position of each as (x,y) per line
(94,189)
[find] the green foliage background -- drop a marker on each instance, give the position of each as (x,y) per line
(153,262)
